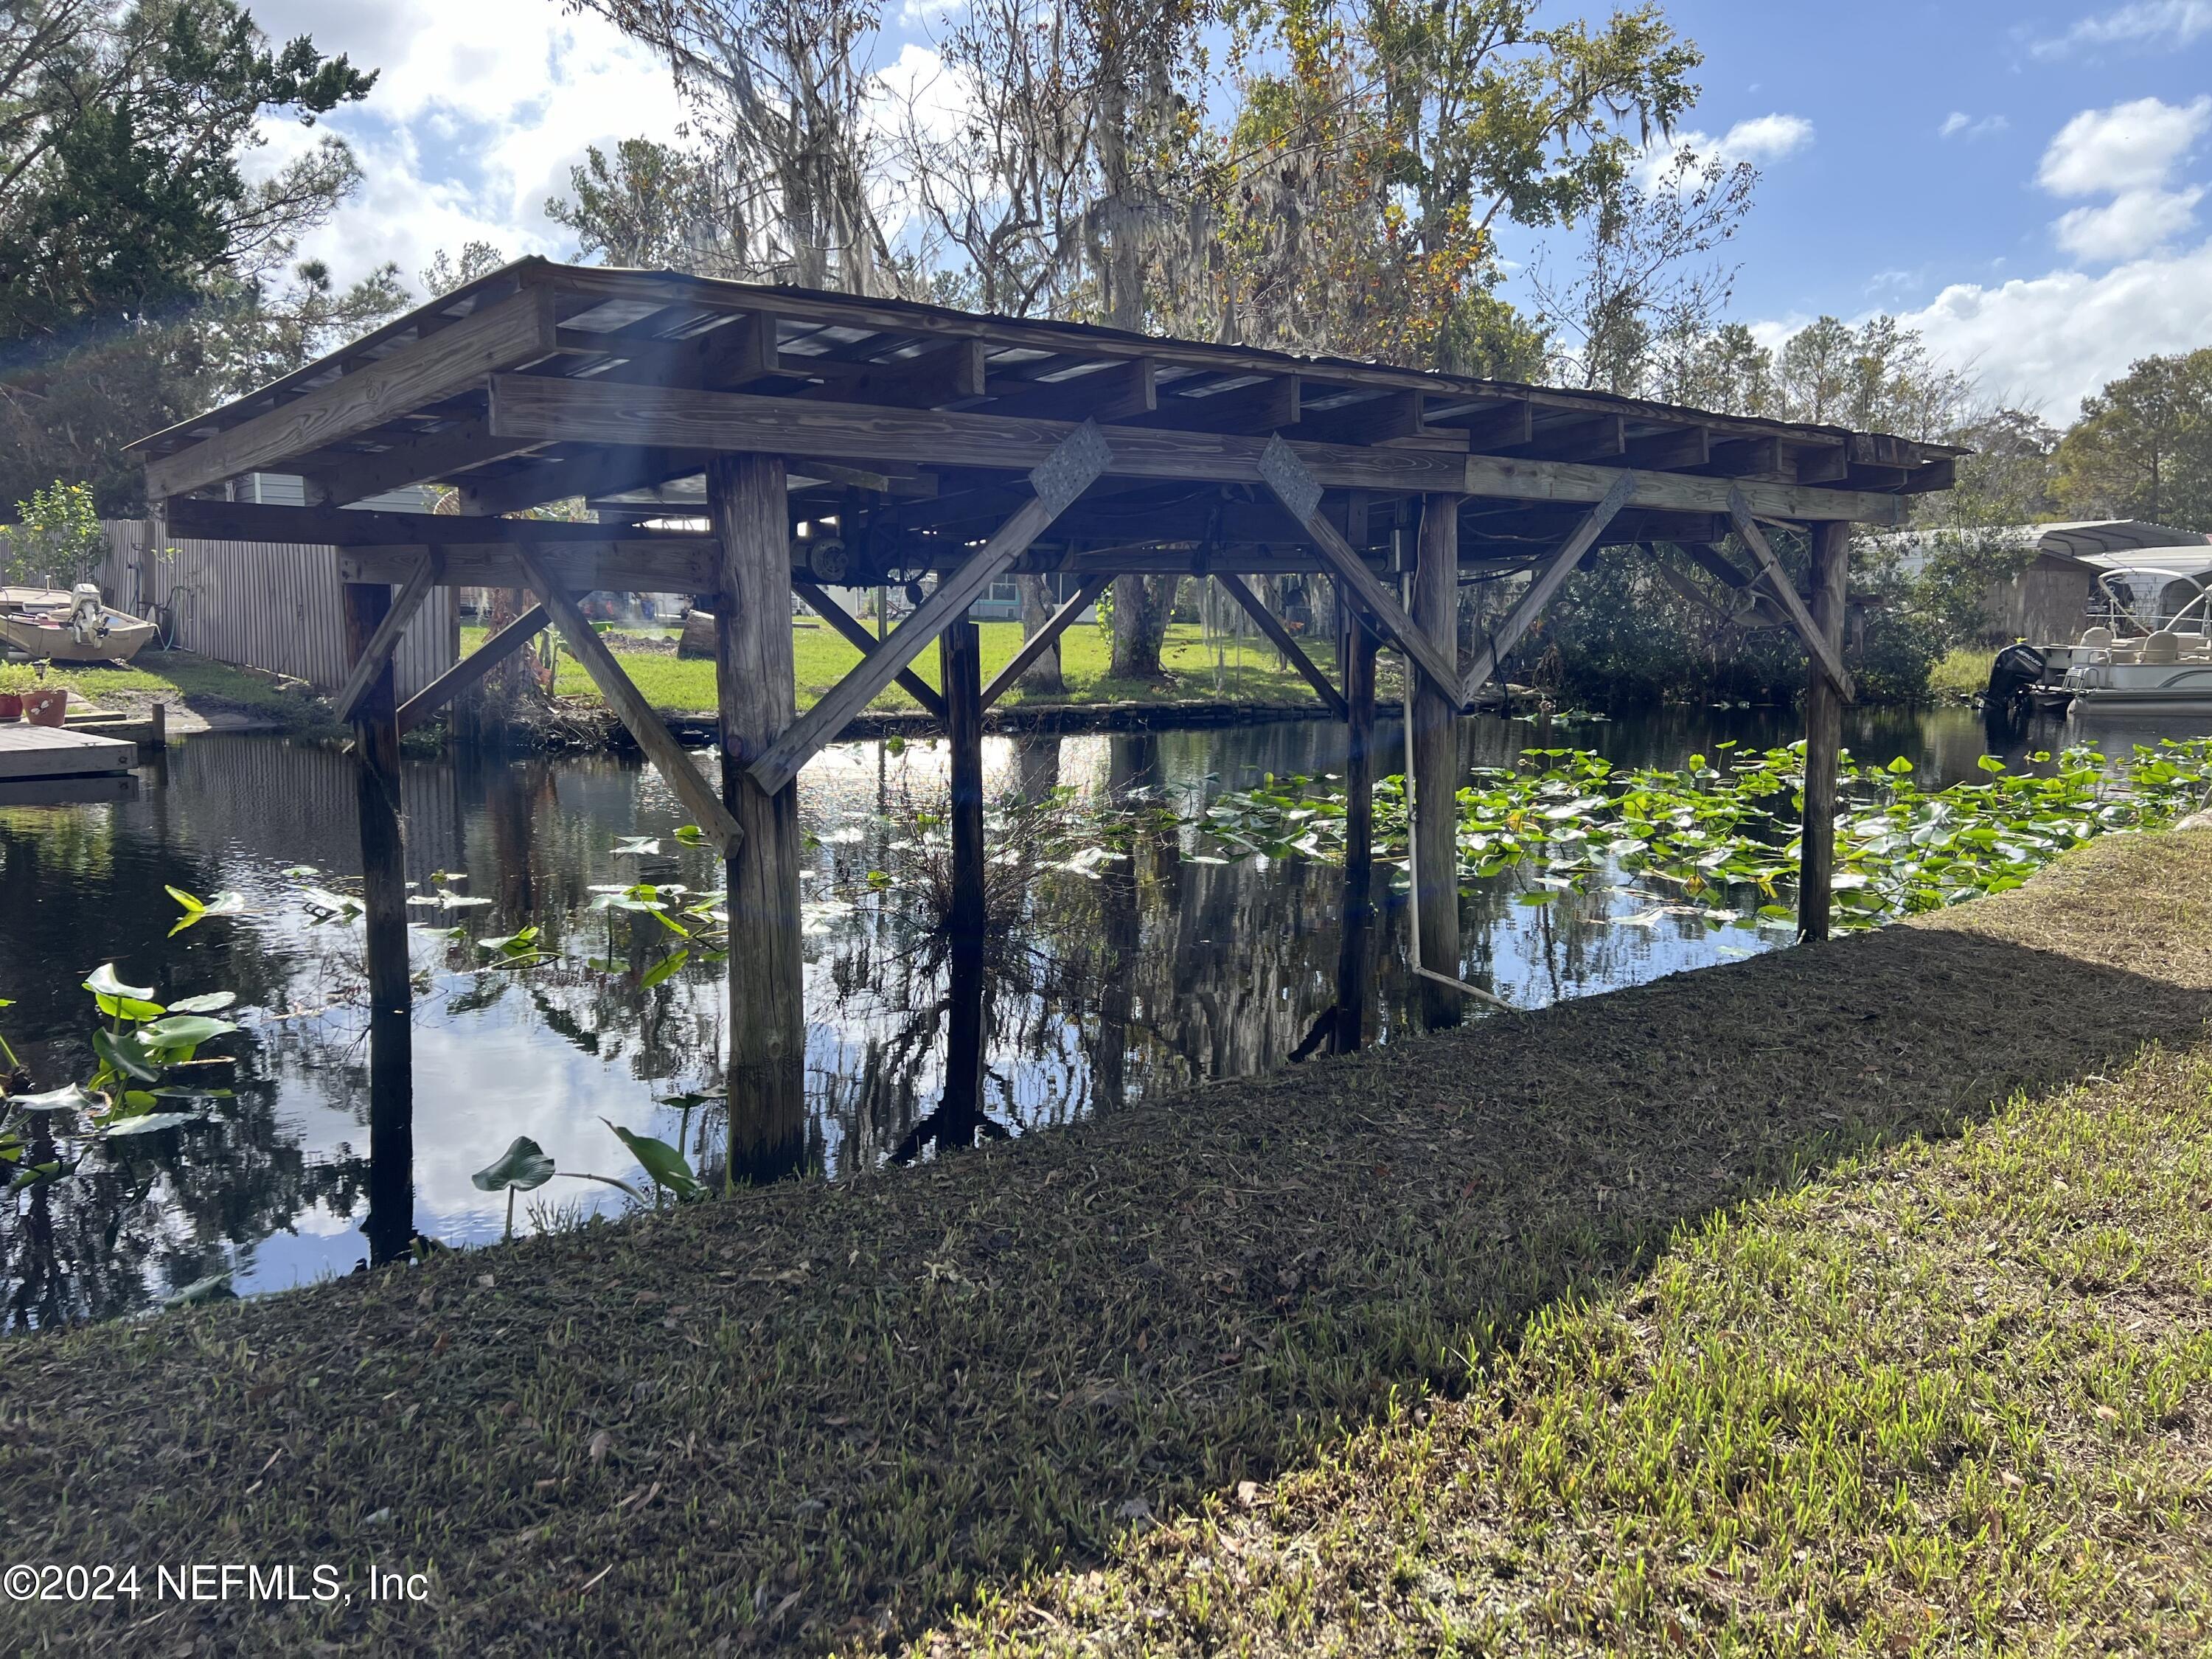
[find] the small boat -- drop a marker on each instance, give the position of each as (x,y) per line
(80,628)
(2151,655)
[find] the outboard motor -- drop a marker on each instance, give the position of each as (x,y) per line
(2018,670)
(87,614)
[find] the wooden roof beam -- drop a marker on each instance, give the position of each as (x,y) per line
(1593,437)
(1115,391)
(668,420)
(1270,404)
(515,331)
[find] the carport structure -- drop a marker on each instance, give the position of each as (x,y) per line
(830,439)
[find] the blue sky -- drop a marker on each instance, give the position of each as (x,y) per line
(2023,186)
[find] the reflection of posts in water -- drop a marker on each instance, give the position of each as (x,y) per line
(391,1223)
(1355,948)
(1434,714)
(1037,756)
(754,684)
(1824,733)
(1131,760)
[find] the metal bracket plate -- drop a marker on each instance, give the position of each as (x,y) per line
(1285,474)
(1071,469)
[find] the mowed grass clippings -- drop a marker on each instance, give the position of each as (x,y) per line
(1956,1400)
(833,1415)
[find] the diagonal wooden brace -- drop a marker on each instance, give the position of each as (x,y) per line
(471,668)
(1281,638)
(637,715)
(1556,570)
(1058,480)
(1285,475)
(856,635)
(1037,643)
(377,653)
(1823,649)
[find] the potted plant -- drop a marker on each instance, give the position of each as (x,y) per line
(46,705)
(15,679)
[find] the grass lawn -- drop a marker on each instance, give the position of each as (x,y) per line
(184,679)
(1829,1301)
(822,657)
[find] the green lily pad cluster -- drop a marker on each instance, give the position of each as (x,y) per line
(1723,831)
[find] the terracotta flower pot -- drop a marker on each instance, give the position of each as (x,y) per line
(11,705)
(47,705)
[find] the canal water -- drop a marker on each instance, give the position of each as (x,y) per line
(1135,966)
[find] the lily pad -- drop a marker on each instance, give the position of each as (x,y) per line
(523,1166)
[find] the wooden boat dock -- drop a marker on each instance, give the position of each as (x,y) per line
(43,764)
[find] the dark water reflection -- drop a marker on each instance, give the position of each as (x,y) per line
(1139,975)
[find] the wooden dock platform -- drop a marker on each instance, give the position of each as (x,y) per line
(51,766)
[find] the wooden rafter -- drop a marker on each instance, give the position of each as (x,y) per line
(1556,570)
(1297,488)
(428,570)
(1058,480)
(636,715)
(850,626)
(471,668)
(1823,650)
(1287,643)
(1041,641)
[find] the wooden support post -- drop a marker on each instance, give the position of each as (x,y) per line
(1041,641)
(1280,638)
(639,717)
(1827,651)
(1824,730)
(960,657)
(755,689)
(390,1223)
(856,635)
(1354,953)
(1434,711)
(1549,579)
(1059,479)
(376,656)
(1299,492)
(469,668)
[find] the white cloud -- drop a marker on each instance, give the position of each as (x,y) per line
(1958,121)
(2147,23)
(2048,341)
(479,113)
(1761,140)
(2130,146)
(2129,152)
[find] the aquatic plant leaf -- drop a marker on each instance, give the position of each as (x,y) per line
(691,835)
(661,970)
(127,1056)
(69,1097)
(212,1002)
(147,1123)
(185,1031)
(215,1287)
(636,846)
(104,983)
(299,871)
(660,1160)
(523,1166)
(341,905)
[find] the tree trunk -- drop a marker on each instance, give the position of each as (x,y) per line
(1142,605)
(1043,675)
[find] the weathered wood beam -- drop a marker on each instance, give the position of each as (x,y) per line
(1505,427)
(1828,651)
(1041,641)
(856,633)
(1689,447)
(629,566)
(1560,566)
(637,715)
(602,471)
(471,668)
(330,526)
(1265,405)
(443,455)
(1355,953)
(1112,394)
(1824,733)
(1433,767)
(1300,493)
(552,411)
(1823,463)
(578,411)
(1593,437)
(515,331)
(1941,473)
(952,372)
(1286,644)
(1747,458)
(1058,480)
(376,654)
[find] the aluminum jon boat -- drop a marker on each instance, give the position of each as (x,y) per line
(81,629)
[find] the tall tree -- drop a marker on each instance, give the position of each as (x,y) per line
(2142,448)
(127,220)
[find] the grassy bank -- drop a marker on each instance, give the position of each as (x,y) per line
(1962,671)
(823,657)
(183,679)
(1477,1317)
